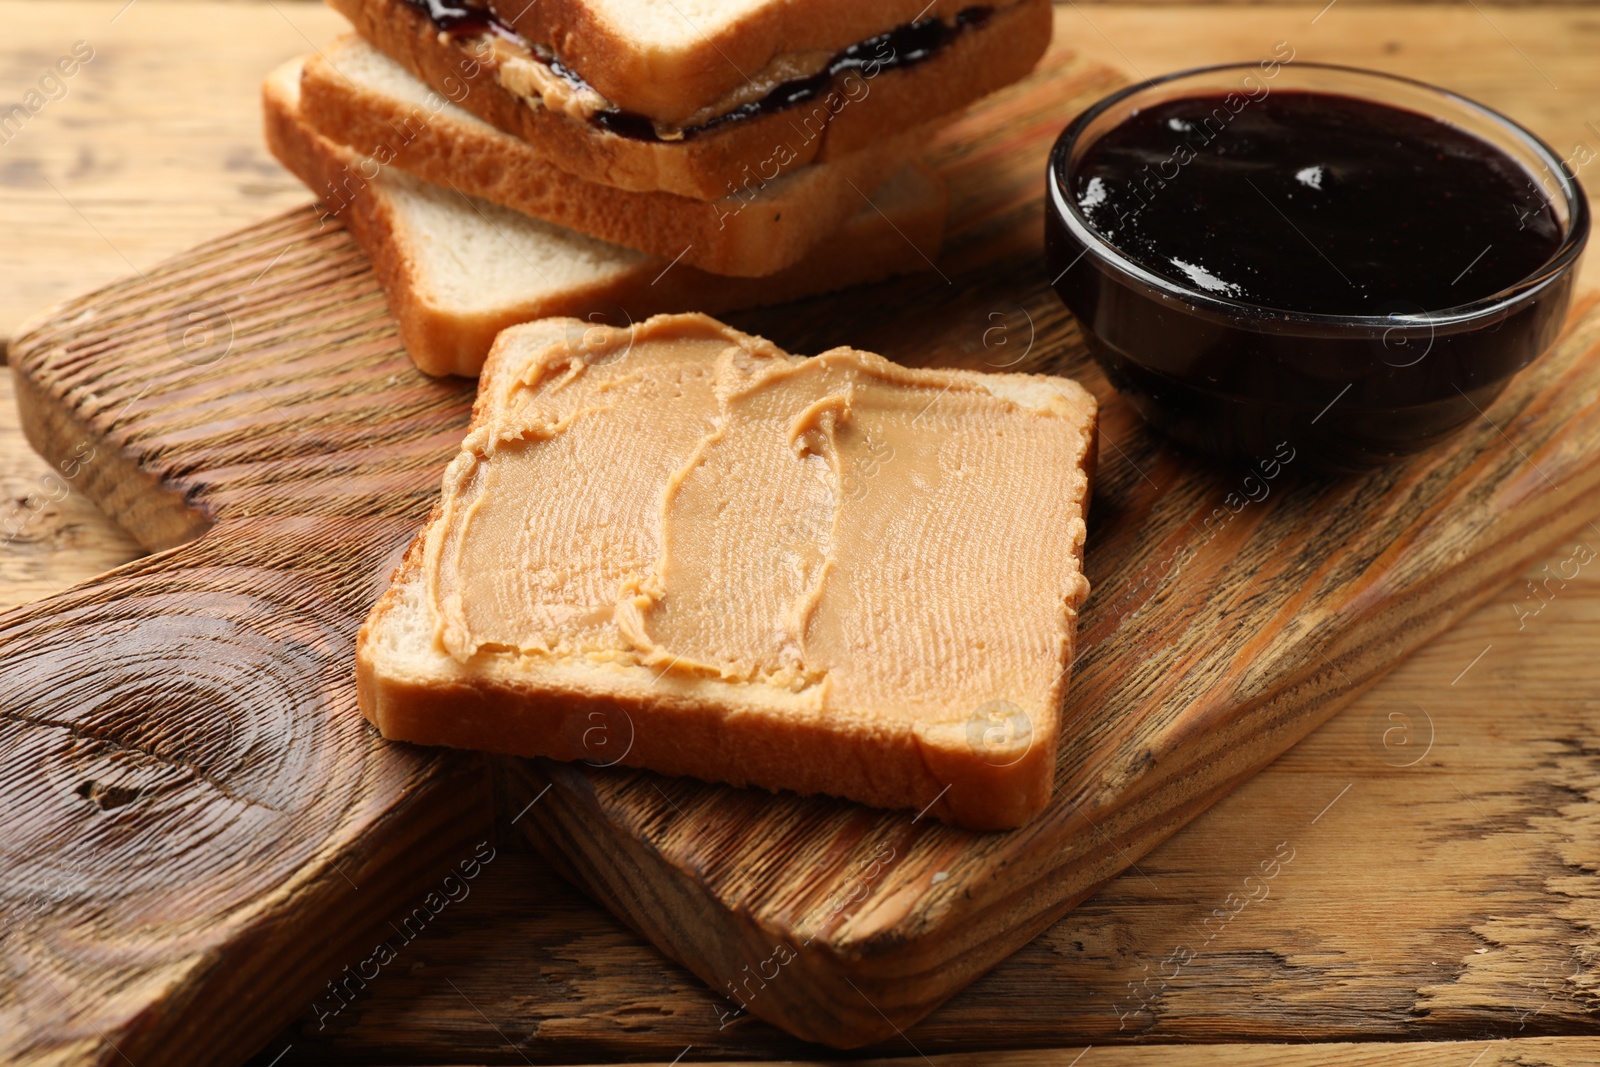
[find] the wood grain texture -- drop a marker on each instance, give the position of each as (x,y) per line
(258,377)
(196,816)
(1452,868)
(1493,981)
(1210,646)
(1213,668)
(51,536)
(331,422)
(228,385)
(193,800)
(1554,1052)
(151,147)
(1526,1052)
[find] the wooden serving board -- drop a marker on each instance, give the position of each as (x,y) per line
(250,404)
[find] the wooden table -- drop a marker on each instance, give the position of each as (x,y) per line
(1445,830)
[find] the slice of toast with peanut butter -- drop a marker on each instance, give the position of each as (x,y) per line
(678,547)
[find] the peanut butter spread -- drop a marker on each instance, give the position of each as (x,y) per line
(526,75)
(694,500)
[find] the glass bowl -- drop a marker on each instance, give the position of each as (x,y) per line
(1234,379)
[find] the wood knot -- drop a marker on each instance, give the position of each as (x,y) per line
(106,797)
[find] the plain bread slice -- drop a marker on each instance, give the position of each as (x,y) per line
(457,269)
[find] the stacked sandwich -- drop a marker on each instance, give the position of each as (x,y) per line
(506,160)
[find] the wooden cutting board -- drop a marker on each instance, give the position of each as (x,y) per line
(205,818)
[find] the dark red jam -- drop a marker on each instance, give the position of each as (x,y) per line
(461,16)
(1316,203)
(903,46)
(1308,270)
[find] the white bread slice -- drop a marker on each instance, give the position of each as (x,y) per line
(849,118)
(617,707)
(457,270)
(356,95)
(668,59)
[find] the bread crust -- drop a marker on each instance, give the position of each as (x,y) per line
(708,729)
(749,235)
(673,81)
(443,340)
(972,66)
(711,164)
(369,217)
(440,340)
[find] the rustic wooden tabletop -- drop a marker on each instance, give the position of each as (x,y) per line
(1446,897)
